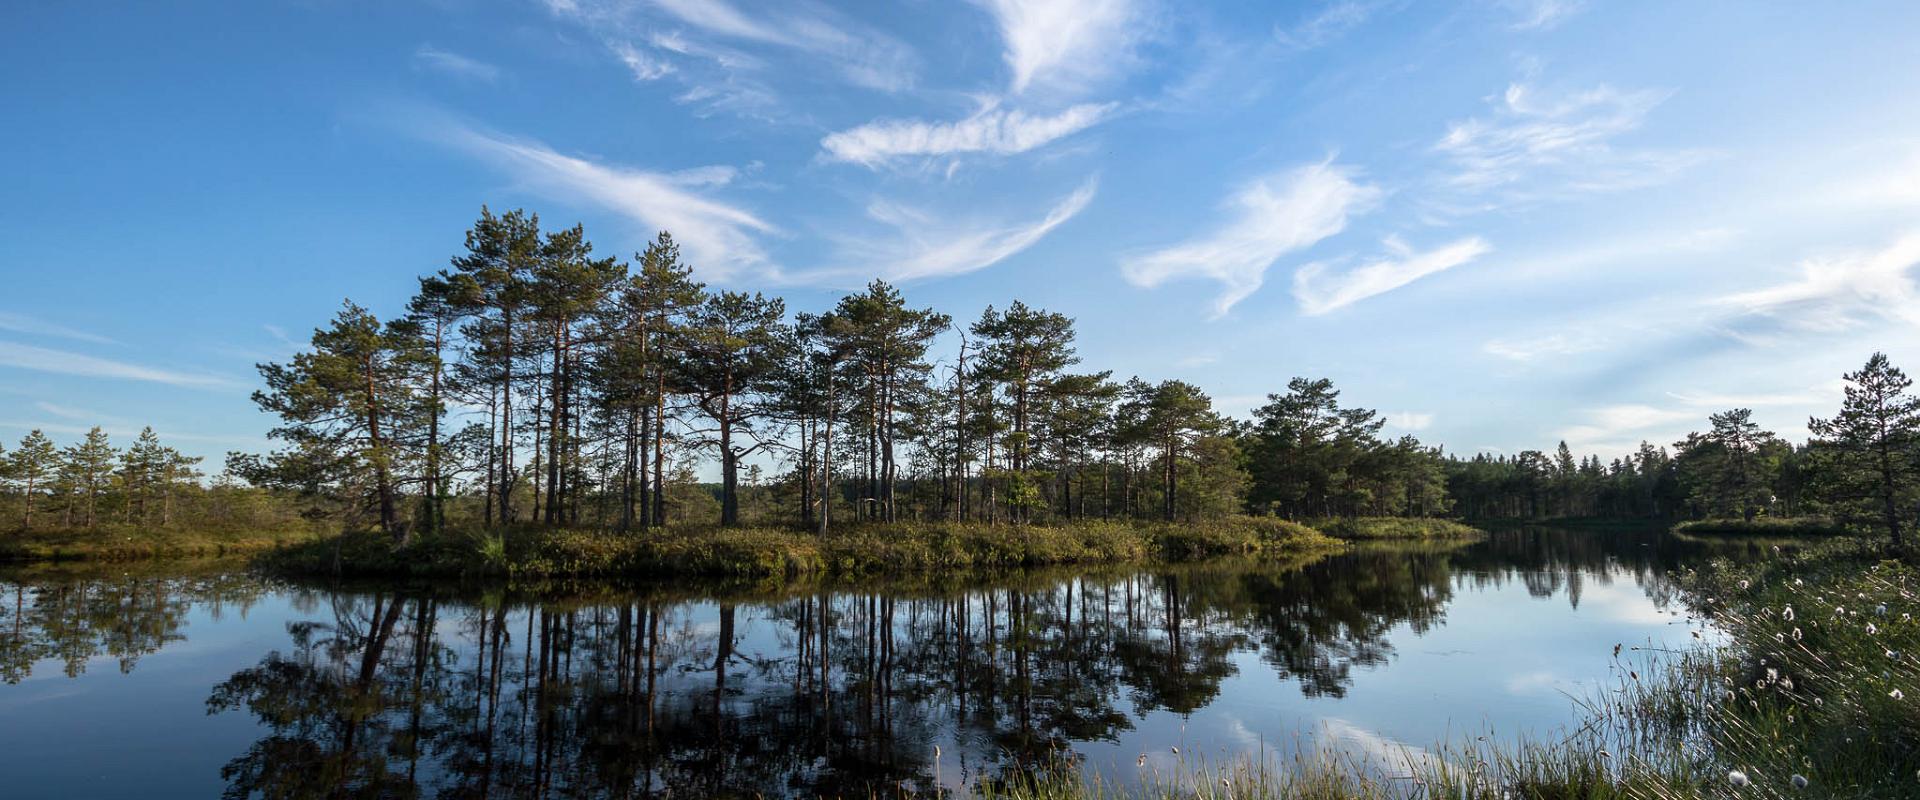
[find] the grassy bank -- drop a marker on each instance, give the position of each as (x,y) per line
(1764,526)
(133,544)
(1394,528)
(902,548)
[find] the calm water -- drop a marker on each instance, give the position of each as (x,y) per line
(189,684)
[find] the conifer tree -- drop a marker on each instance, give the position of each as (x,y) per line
(32,465)
(1871,444)
(352,392)
(91,462)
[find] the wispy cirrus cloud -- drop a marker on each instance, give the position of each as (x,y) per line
(721,238)
(447,62)
(1281,213)
(1540,15)
(1066,45)
(1539,347)
(22,323)
(647,36)
(1326,25)
(992,130)
(1320,289)
(1834,294)
(923,245)
(644,66)
(62,362)
(1544,142)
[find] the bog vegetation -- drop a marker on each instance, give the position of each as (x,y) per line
(535,385)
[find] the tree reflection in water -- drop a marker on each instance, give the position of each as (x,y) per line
(831,692)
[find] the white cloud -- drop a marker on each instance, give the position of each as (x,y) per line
(711,175)
(644,66)
(1837,294)
(1271,217)
(1540,15)
(922,245)
(40,359)
(450,63)
(21,323)
(863,55)
(1410,420)
(1065,44)
(1565,140)
(720,238)
(1619,429)
(1320,292)
(1330,23)
(992,130)
(1555,344)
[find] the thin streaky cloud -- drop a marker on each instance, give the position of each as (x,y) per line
(1544,142)
(123,431)
(448,62)
(1834,294)
(61,362)
(1320,290)
(1533,349)
(993,131)
(1281,213)
(863,55)
(922,247)
(1326,25)
(720,238)
(1541,15)
(644,66)
(21,323)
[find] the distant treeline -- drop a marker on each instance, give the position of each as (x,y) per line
(533,382)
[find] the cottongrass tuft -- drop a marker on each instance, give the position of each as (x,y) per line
(1738,779)
(1799,781)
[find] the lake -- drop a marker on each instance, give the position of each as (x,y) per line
(160,682)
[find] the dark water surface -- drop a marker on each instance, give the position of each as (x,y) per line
(159,683)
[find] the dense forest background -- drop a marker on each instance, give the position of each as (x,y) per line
(534,382)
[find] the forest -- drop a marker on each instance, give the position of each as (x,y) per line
(534,382)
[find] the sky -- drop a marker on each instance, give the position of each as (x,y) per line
(1503,223)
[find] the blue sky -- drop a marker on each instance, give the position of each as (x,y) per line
(1502,223)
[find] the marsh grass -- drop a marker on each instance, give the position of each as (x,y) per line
(1395,528)
(1764,526)
(118,543)
(759,553)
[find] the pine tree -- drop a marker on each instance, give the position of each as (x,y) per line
(1022,350)
(139,471)
(1870,445)
(32,464)
(352,392)
(91,462)
(732,350)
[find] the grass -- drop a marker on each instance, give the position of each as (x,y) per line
(1764,526)
(1395,528)
(760,553)
(128,543)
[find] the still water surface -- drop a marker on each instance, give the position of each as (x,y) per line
(161,684)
